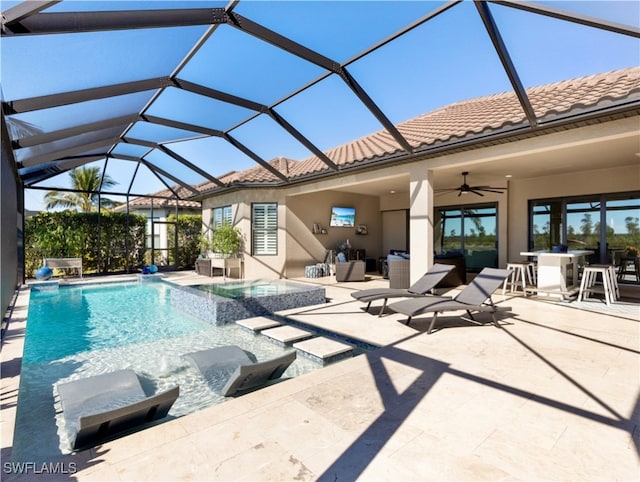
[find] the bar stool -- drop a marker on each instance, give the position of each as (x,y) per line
(629,265)
(609,282)
(523,273)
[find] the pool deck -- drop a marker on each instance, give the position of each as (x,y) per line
(552,395)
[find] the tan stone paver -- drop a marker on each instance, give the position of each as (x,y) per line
(553,395)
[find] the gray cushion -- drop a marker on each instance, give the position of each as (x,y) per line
(99,407)
(229,369)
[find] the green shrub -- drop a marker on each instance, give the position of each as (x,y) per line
(189,227)
(226,240)
(107,242)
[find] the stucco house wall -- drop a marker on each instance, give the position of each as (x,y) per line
(303,211)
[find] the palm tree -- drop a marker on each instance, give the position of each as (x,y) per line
(85,180)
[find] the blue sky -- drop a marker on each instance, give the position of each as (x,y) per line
(446,60)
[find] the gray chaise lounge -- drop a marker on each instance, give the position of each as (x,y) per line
(99,407)
(420,288)
(229,370)
(475,297)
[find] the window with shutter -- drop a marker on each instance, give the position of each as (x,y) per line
(221,215)
(264,229)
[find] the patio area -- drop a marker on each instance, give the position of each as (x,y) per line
(553,395)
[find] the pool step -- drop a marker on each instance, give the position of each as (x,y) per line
(323,350)
(258,323)
(286,335)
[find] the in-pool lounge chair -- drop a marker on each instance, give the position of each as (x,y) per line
(420,288)
(99,407)
(474,297)
(229,370)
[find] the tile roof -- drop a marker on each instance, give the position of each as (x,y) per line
(164,198)
(460,120)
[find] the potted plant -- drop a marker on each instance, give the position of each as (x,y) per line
(226,241)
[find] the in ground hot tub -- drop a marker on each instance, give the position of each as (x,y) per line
(221,303)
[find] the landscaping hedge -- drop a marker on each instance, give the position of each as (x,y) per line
(107,242)
(189,227)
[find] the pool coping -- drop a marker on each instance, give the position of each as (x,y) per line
(13,338)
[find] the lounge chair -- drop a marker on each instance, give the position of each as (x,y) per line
(418,289)
(229,369)
(475,297)
(98,407)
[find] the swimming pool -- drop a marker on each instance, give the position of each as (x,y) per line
(85,330)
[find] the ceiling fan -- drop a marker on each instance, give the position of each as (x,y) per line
(465,188)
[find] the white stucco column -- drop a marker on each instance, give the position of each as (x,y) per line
(420,220)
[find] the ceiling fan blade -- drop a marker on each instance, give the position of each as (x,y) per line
(444,193)
(476,192)
(494,189)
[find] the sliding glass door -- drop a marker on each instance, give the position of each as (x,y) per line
(470,230)
(622,226)
(606,224)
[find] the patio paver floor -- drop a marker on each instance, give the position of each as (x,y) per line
(552,395)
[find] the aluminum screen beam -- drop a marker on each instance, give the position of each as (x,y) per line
(76,22)
(191,166)
(571,17)
(284,43)
(175,179)
(375,110)
(302,139)
(73,131)
(309,55)
(84,95)
(111,193)
(176,157)
(248,152)
(124,157)
(24,10)
(58,155)
(439,10)
(248,104)
(45,171)
(181,125)
(507,63)
(218,95)
(140,142)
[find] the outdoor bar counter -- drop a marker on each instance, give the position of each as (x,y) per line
(557,272)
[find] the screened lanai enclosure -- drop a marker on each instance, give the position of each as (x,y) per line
(171,96)
(165,94)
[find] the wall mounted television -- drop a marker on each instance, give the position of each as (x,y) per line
(343,217)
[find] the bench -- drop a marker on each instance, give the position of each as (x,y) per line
(64,263)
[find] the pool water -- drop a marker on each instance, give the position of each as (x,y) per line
(75,319)
(80,331)
(253,288)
